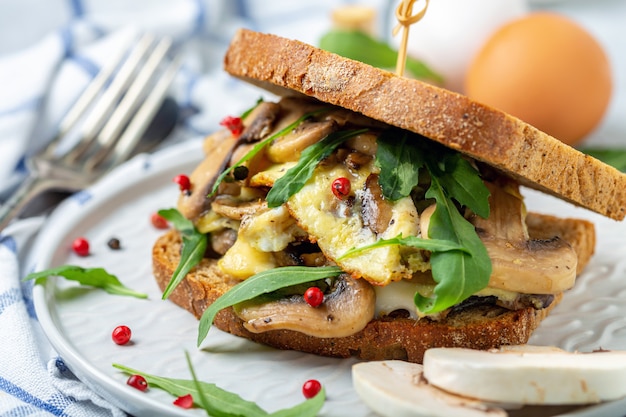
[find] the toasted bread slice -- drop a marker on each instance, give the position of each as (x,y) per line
(533,158)
(478,327)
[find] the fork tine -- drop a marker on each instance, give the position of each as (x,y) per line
(109,97)
(83,102)
(84,163)
(145,114)
(109,134)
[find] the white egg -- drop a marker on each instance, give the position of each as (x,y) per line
(452,31)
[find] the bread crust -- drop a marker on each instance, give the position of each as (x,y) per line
(522,152)
(481,327)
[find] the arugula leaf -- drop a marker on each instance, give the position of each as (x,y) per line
(202,399)
(193,248)
(458,274)
(295,178)
(221,403)
(399,163)
(307,408)
(432,245)
(461,181)
(262,144)
(360,46)
(614,157)
(218,402)
(262,283)
(93,277)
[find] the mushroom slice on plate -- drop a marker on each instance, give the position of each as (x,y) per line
(398,389)
(528,374)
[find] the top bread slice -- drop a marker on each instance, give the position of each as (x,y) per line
(528,155)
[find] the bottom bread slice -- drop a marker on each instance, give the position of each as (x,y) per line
(477,327)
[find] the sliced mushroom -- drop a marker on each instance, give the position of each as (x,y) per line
(236,210)
(220,151)
(425,220)
(528,268)
(345,311)
(287,148)
(261,123)
(211,141)
(222,240)
(365,143)
(375,210)
(536,301)
(521,264)
(203,177)
(346,117)
(355,160)
(397,388)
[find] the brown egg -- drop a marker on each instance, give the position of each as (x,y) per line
(546,70)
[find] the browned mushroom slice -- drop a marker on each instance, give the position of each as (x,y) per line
(287,148)
(345,311)
(261,123)
(220,150)
(536,301)
(345,117)
(355,160)
(203,177)
(236,210)
(375,210)
(521,264)
(365,143)
(223,240)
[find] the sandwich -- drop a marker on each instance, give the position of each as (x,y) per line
(407,193)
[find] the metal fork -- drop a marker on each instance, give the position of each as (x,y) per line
(109,117)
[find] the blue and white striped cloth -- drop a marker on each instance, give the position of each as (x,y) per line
(50,49)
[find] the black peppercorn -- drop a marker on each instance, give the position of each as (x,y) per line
(114,243)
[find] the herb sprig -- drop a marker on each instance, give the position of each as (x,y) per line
(399,161)
(432,245)
(458,273)
(193,247)
(262,144)
(295,178)
(92,277)
(262,283)
(218,402)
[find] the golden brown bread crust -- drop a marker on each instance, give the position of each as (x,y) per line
(524,153)
(481,327)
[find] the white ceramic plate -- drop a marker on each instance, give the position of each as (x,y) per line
(79,321)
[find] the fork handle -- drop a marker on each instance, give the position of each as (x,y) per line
(32,187)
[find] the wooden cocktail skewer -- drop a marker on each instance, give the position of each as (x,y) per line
(405,16)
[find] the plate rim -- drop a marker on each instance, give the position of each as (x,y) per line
(179,155)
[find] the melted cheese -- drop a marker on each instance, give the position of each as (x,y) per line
(242,260)
(270,231)
(268,177)
(258,237)
(338,227)
(211,222)
(399,296)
